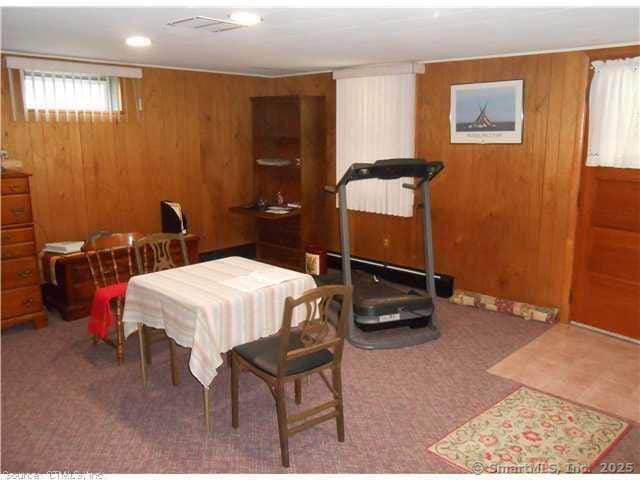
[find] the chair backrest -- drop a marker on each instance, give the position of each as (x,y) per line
(316,330)
(103,240)
(157,251)
(109,266)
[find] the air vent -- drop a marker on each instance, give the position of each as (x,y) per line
(213,25)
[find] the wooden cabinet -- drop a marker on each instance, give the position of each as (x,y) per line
(21,294)
(289,128)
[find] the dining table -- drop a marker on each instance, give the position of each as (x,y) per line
(212,307)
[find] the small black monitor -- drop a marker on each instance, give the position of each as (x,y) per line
(173,218)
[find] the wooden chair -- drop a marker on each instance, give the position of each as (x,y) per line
(294,354)
(154,253)
(104,239)
(107,270)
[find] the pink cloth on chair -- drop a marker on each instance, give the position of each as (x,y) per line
(101,314)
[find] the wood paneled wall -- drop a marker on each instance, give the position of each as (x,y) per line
(504,215)
(191,144)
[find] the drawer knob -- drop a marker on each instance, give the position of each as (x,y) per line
(26,273)
(14,187)
(7,256)
(28,302)
(18,211)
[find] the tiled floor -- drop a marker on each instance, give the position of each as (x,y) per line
(579,365)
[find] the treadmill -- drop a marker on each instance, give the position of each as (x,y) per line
(385,314)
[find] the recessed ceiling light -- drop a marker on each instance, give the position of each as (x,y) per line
(138,41)
(245,18)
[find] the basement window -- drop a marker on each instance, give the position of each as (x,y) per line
(71,92)
(64,90)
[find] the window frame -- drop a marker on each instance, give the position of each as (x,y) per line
(113,84)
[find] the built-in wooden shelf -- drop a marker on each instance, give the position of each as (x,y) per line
(291,128)
(262,214)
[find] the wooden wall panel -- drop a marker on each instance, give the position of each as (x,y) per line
(191,144)
(503,215)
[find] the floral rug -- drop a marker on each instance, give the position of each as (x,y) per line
(531,432)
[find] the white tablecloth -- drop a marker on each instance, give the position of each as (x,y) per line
(198,310)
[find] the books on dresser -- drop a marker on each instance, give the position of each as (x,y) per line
(63,247)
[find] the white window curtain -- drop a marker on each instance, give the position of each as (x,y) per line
(375,119)
(614,114)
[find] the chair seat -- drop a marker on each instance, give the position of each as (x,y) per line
(263,353)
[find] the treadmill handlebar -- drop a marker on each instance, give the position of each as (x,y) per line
(391,169)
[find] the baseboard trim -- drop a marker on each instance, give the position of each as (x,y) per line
(396,273)
(605,332)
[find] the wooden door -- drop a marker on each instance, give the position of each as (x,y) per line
(605,292)
(606,277)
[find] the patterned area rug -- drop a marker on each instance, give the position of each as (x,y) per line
(531,432)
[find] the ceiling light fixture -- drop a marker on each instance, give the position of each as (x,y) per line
(138,41)
(245,18)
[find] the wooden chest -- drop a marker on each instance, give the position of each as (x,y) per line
(68,284)
(21,294)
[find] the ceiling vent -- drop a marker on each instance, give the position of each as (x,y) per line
(213,25)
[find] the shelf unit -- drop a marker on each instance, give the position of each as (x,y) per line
(291,128)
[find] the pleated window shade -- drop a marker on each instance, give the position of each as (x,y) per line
(375,119)
(54,90)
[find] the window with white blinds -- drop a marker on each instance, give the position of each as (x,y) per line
(61,90)
(375,119)
(48,91)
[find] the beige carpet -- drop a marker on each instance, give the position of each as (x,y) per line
(66,405)
(532,432)
(586,367)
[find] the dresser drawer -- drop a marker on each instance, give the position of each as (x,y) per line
(21,301)
(19,273)
(17,235)
(15,185)
(17,250)
(16,209)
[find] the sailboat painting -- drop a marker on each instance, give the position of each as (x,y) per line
(487,112)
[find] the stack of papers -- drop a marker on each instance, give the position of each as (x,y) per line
(261,279)
(278,210)
(63,247)
(275,275)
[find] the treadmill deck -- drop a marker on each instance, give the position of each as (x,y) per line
(373,299)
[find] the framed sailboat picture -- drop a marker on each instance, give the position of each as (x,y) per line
(486,112)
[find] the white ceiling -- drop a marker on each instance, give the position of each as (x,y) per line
(298,40)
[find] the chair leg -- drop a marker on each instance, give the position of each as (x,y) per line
(96,339)
(337,386)
(281,410)
(297,384)
(147,350)
(205,403)
(235,387)
(119,340)
(143,366)
(174,367)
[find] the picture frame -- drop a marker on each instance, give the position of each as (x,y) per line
(486,113)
